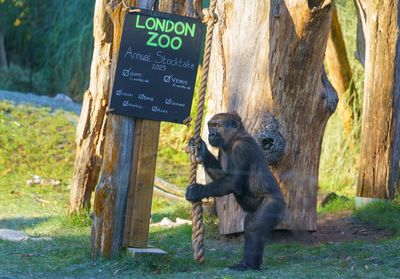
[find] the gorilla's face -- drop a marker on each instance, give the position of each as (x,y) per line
(214,134)
(221,130)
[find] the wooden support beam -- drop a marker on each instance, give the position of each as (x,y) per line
(142,251)
(140,194)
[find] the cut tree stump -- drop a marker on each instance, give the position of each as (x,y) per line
(91,127)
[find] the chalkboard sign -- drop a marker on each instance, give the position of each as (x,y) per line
(157,66)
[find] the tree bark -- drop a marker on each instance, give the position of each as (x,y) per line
(91,126)
(380,143)
(340,74)
(267,64)
(117,171)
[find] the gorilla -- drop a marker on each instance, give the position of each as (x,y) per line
(241,169)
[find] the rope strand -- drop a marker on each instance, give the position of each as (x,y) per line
(197,208)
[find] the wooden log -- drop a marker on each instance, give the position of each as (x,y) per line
(111,192)
(380,143)
(267,64)
(91,126)
(168,187)
(112,189)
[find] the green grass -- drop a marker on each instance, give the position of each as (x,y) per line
(382,214)
(339,204)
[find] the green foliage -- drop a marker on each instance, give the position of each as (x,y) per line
(68,46)
(51,41)
(21,79)
(382,214)
(339,159)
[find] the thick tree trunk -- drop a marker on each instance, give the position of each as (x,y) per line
(91,126)
(117,170)
(267,64)
(380,144)
(340,74)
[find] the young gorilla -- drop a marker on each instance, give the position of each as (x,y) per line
(241,169)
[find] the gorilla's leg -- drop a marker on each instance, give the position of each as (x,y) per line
(253,249)
(256,226)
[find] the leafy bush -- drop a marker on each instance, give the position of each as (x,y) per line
(16,78)
(51,41)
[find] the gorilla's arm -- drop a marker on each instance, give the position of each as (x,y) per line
(231,182)
(210,163)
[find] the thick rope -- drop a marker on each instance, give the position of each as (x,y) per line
(197,208)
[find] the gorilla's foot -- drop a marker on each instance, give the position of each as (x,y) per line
(242,267)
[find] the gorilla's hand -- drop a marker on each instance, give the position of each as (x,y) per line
(197,154)
(194,192)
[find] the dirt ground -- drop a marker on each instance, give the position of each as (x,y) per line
(334,228)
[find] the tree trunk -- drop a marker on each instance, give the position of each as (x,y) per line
(117,171)
(91,126)
(340,74)
(267,64)
(380,144)
(3,54)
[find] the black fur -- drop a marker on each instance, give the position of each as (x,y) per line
(241,169)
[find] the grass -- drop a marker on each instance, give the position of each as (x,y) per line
(341,203)
(382,214)
(40,141)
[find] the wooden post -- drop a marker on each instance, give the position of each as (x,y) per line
(138,209)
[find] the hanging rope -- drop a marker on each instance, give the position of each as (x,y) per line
(197,208)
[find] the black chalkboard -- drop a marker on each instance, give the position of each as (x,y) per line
(157,66)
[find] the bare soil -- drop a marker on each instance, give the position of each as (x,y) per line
(340,227)
(334,228)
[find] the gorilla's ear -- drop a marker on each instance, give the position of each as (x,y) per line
(236,119)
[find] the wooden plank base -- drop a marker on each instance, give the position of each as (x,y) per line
(141,251)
